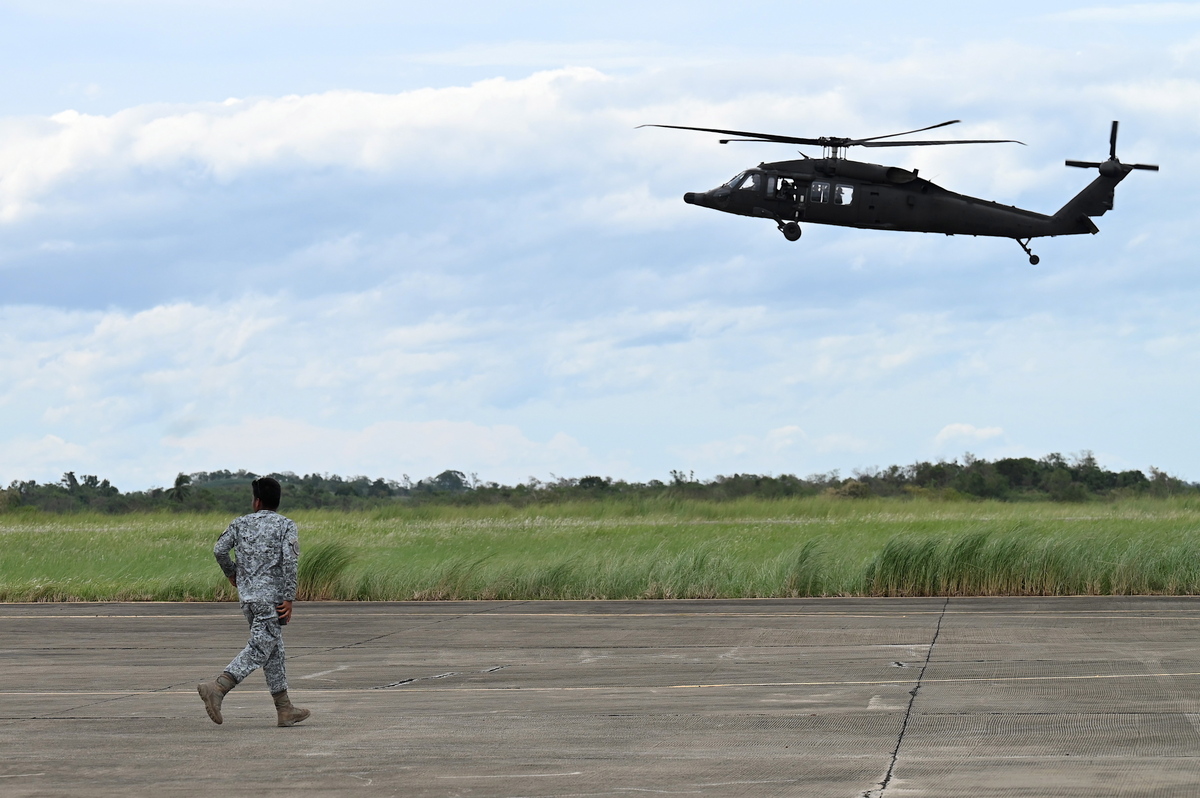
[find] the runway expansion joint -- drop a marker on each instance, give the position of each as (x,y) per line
(446,675)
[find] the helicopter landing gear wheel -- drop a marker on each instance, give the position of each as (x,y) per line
(791,231)
(1034,260)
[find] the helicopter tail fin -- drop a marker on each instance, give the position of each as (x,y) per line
(1097,198)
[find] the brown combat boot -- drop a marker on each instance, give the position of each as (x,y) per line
(213,693)
(288,714)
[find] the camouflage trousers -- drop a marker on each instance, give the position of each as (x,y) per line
(264,650)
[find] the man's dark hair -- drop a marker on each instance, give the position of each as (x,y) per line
(267,491)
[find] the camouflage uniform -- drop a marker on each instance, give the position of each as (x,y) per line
(268,551)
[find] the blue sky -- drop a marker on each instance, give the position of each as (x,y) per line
(374,238)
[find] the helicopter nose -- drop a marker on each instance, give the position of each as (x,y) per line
(690,198)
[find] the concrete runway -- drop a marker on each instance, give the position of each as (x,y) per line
(820,697)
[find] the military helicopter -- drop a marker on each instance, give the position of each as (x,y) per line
(835,190)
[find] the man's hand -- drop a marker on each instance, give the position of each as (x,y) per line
(284,611)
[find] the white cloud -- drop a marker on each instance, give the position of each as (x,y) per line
(965,434)
(347,384)
(874,354)
(569,131)
(773,447)
(50,454)
(634,208)
(787,449)
(469,131)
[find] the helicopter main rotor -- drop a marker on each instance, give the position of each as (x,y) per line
(835,146)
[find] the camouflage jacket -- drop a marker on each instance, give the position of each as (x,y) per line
(268,551)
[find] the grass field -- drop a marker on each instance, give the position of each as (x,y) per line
(653,549)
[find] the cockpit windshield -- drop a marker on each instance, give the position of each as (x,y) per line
(753,182)
(733,181)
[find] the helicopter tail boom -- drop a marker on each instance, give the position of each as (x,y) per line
(1096,199)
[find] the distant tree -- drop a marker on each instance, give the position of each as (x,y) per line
(1088,471)
(980,478)
(181,489)
(852,489)
(1062,488)
(1163,484)
(1021,472)
(934,475)
(680,479)
(1052,477)
(1054,460)
(70,482)
(451,482)
(1132,479)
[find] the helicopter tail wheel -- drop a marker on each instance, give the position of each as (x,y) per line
(1034,260)
(791,231)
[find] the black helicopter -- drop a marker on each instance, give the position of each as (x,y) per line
(834,190)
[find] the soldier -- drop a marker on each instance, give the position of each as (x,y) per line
(265,575)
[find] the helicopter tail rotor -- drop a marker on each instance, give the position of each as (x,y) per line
(1097,197)
(1113,167)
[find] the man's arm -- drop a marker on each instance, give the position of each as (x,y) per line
(290,562)
(290,566)
(225,543)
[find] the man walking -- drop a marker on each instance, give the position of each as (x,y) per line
(264,573)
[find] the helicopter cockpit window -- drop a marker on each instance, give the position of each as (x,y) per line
(843,195)
(753,182)
(819,192)
(733,181)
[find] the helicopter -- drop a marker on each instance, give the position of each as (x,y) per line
(835,190)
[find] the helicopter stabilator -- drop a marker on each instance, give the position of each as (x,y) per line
(835,190)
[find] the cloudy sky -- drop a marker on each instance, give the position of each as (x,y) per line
(391,238)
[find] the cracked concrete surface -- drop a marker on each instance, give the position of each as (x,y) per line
(813,697)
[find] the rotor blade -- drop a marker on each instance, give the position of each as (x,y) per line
(826,142)
(753,136)
(931,143)
(1112,142)
(905,133)
(1149,167)
(1084,164)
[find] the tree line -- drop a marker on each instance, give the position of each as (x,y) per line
(1050,478)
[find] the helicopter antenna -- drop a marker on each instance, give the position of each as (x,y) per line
(834,147)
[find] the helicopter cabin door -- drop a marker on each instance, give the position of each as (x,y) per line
(835,202)
(786,196)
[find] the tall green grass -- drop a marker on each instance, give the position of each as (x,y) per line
(647,548)
(321,570)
